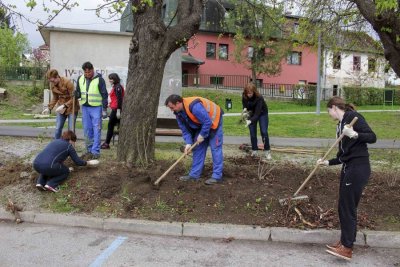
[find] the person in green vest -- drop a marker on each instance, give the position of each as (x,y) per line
(92,92)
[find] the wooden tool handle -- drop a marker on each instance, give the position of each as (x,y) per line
(173,165)
(324,158)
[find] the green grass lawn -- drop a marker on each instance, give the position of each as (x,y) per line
(385,124)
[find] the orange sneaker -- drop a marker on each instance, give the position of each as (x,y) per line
(334,245)
(341,252)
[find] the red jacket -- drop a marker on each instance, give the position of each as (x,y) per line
(116,95)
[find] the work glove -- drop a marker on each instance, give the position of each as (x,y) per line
(322,162)
(71,169)
(104,114)
(46,111)
(118,113)
(93,162)
(187,147)
(245,114)
(200,138)
(248,122)
(348,131)
(61,109)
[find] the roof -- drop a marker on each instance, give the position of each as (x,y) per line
(189,59)
(45,32)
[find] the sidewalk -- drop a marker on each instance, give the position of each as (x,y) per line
(27,131)
(369,238)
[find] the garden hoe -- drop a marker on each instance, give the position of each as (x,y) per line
(295,198)
(173,165)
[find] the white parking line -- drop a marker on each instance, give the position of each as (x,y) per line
(107,253)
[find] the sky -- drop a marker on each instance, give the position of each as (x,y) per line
(77,18)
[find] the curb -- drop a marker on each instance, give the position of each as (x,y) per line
(369,238)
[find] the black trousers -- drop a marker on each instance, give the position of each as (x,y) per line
(111,124)
(353,179)
(51,175)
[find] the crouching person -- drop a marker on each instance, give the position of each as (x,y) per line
(50,162)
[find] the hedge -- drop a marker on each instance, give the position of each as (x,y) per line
(369,95)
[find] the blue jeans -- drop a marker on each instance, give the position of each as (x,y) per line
(92,123)
(51,175)
(263,120)
(60,121)
(215,141)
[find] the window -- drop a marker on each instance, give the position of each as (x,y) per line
(337,61)
(223,52)
(259,83)
(296,27)
(356,63)
(210,53)
(164,11)
(294,58)
(217,80)
(371,65)
(250,52)
(184,48)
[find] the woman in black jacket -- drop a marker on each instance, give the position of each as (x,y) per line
(356,170)
(256,111)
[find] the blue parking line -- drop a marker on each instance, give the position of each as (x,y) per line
(107,253)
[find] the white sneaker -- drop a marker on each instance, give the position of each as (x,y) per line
(254,153)
(268,154)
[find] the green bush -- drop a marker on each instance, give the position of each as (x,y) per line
(368,95)
(310,95)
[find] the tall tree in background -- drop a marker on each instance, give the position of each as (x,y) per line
(260,41)
(12,46)
(330,17)
(5,19)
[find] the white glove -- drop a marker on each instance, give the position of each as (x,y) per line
(118,114)
(187,147)
(200,138)
(322,162)
(245,114)
(248,122)
(93,162)
(61,109)
(348,131)
(104,114)
(46,111)
(71,169)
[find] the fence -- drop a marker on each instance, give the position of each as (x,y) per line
(237,82)
(23,73)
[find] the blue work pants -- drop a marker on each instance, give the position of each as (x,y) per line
(92,123)
(215,141)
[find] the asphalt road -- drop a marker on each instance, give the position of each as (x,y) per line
(45,245)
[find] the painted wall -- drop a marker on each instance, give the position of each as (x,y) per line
(108,52)
(291,74)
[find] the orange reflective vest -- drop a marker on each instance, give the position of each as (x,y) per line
(214,111)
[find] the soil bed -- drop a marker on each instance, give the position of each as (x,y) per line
(243,198)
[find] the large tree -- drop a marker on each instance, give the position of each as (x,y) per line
(333,17)
(152,44)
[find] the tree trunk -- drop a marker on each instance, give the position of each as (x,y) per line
(151,46)
(387,25)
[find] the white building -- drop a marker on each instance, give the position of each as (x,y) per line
(353,69)
(108,52)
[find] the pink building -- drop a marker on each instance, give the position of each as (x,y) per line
(201,58)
